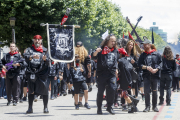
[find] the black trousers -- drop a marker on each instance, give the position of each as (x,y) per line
(31,98)
(58,88)
(135,86)
(63,86)
(53,86)
(175,83)
(165,82)
(12,87)
(110,80)
(150,82)
(21,87)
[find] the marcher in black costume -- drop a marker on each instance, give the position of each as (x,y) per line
(37,59)
(93,71)
(125,78)
(107,66)
(77,74)
(22,78)
(63,84)
(150,62)
(176,74)
(169,65)
(12,75)
(85,60)
(132,58)
(55,72)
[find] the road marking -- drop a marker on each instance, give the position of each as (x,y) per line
(171,107)
(173,104)
(168,116)
(170,111)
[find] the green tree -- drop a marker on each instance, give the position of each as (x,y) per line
(94,17)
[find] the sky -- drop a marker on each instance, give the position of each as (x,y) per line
(166,14)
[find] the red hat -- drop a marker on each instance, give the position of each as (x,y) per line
(122,51)
(37,37)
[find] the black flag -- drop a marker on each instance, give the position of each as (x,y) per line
(152,37)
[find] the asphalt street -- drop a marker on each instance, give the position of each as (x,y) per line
(63,108)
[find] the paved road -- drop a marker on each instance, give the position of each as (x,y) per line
(63,108)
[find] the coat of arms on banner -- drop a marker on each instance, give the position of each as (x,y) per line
(61,43)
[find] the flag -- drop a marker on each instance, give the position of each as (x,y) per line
(105,35)
(64,19)
(68,10)
(152,37)
(130,36)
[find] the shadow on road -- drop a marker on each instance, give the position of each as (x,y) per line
(37,115)
(62,106)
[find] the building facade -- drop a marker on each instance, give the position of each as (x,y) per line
(159,31)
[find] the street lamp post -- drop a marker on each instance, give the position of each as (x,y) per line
(1,50)
(12,24)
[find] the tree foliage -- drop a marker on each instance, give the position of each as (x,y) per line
(94,17)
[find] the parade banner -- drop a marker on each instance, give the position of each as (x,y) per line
(61,42)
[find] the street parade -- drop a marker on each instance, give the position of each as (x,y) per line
(80,67)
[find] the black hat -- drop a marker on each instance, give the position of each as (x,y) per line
(79,43)
(146,41)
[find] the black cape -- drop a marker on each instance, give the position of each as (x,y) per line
(126,72)
(41,84)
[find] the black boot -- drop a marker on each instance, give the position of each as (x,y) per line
(90,88)
(124,108)
(155,109)
(14,103)
(77,107)
(110,110)
(29,111)
(161,103)
(99,111)
(46,110)
(8,103)
(132,108)
(147,109)
(134,100)
(21,100)
(168,103)
(136,109)
(45,102)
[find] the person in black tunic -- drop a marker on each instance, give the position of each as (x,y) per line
(107,69)
(63,67)
(169,65)
(22,78)
(55,72)
(126,77)
(132,58)
(37,59)
(77,74)
(150,62)
(12,75)
(85,60)
(93,72)
(176,74)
